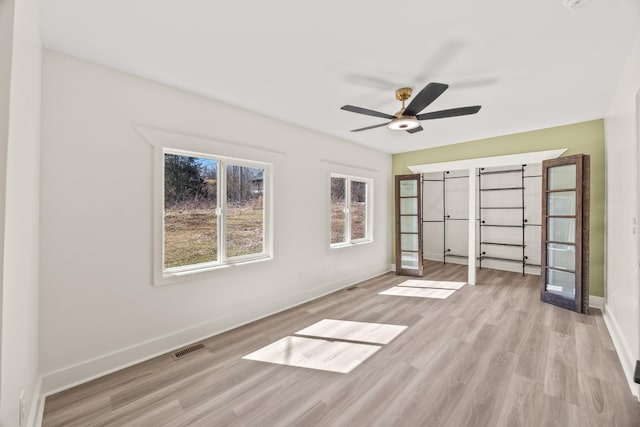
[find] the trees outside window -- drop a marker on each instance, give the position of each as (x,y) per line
(350,210)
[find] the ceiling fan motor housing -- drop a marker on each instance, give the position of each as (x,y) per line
(403,94)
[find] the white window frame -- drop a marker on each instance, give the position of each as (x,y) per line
(165,276)
(347,210)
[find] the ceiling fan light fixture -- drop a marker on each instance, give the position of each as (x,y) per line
(403,123)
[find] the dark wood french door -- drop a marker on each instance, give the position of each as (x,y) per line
(565,232)
(408,225)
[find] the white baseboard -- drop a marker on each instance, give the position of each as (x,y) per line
(596,302)
(432,256)
(70,376)
(36,410)
(627,359)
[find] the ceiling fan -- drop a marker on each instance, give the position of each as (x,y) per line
(408,118)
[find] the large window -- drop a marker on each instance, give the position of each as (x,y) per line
(350,210)
(214,211)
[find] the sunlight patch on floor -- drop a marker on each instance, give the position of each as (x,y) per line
(435,284)
(371,333)
(400,291)
(313,353)
(329,345)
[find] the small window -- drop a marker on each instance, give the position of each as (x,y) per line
(214,212)
(350,210)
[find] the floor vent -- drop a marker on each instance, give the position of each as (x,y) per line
(187,351)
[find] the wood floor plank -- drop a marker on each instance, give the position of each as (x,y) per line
(511,338)
(561,374)
(434,393)
(592,360)
(532,360)
(165,413)
(365,408)
(206,419)
(489,355)
(483,399)
(523,403)
(79,414)
(558,413)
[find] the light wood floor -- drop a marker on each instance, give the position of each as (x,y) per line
(489,355)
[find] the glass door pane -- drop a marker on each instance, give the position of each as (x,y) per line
(408,224)
(409,188)
(562,177)
(561,283)
(561,229)
(561,256)
(409,206)
(408,229)
(562,203)
(409,260)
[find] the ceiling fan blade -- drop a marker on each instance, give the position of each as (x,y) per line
(370,127)
(427,95)
(361,110)
(418,129)
(453,112)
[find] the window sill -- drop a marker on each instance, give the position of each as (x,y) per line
(349,245)
(179,276)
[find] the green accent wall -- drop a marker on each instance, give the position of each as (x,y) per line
(578,138)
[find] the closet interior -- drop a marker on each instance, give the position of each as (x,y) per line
(507,217)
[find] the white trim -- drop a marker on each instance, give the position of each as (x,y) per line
(36,407)
(167,138)
(349,245)
(349,166)
(484,162)
(80,373)
(37,413)
(623,350)
(637,177)
(471,266)
(635,220)
(596,302)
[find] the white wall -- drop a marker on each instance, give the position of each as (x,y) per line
(622,310)
(99,309)
(21,222)
(6,47)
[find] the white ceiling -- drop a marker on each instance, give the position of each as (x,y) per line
(531,64)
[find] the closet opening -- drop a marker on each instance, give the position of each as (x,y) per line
(482,213)
(506,218)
